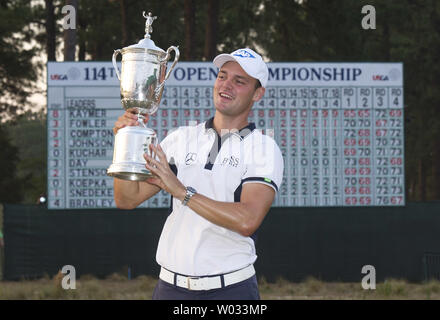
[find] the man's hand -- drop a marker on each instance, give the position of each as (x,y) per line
(129,118)
(164,176)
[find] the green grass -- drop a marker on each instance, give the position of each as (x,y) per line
(118,287)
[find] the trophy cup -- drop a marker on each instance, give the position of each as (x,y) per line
(143,75)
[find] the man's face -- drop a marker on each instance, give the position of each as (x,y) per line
(234,90)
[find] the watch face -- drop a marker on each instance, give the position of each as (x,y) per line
(191,189)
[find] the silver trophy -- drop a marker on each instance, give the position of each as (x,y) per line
(142,78)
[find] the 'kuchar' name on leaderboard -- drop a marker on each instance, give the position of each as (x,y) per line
(89,153)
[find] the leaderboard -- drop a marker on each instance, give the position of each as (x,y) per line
(339,127)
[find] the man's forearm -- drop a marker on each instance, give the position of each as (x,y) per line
(230,215)
(130,194)
(125,193)
(235,216)
(243,217)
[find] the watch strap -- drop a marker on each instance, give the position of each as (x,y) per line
(189,193)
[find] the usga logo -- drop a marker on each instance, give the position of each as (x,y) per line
(58,77)
(243,53)
(393,75)
(380,77)
(72,74)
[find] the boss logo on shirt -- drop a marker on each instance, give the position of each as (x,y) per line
(232,161)
(190,158)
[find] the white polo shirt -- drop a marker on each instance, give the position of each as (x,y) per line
(217,168)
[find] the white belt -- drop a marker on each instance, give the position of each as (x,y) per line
(206,283)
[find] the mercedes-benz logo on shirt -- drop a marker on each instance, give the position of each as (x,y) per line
(190,158)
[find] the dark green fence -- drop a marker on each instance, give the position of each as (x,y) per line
(332,244)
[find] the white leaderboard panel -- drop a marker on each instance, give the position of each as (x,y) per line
(339,127)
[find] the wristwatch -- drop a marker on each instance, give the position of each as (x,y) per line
(190,191)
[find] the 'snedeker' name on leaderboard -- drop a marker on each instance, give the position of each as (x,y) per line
(76,193)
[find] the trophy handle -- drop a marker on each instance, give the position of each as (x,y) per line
(167,57)
(115,54)
(165,60)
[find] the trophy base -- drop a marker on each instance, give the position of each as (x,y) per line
(131,172)
(130,145)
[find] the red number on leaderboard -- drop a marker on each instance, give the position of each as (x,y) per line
(365,200)
(396,200)
(349,113)
(350,190)
(350,200)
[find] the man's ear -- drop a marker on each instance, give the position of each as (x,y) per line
(259,93)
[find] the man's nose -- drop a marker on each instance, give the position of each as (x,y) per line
(227,84)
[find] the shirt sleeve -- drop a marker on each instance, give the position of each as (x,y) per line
(264,163)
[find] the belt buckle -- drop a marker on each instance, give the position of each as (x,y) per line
(188,284)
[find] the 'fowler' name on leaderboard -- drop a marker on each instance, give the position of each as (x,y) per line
(92,123)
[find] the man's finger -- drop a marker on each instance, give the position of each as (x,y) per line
(118,126)
(161,154)
(130,115)
(155,181)
(153,169)
(152,162)
(132,111)
(152,153)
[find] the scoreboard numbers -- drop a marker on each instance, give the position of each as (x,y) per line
(339,127)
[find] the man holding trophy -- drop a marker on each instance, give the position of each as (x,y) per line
(222,175)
